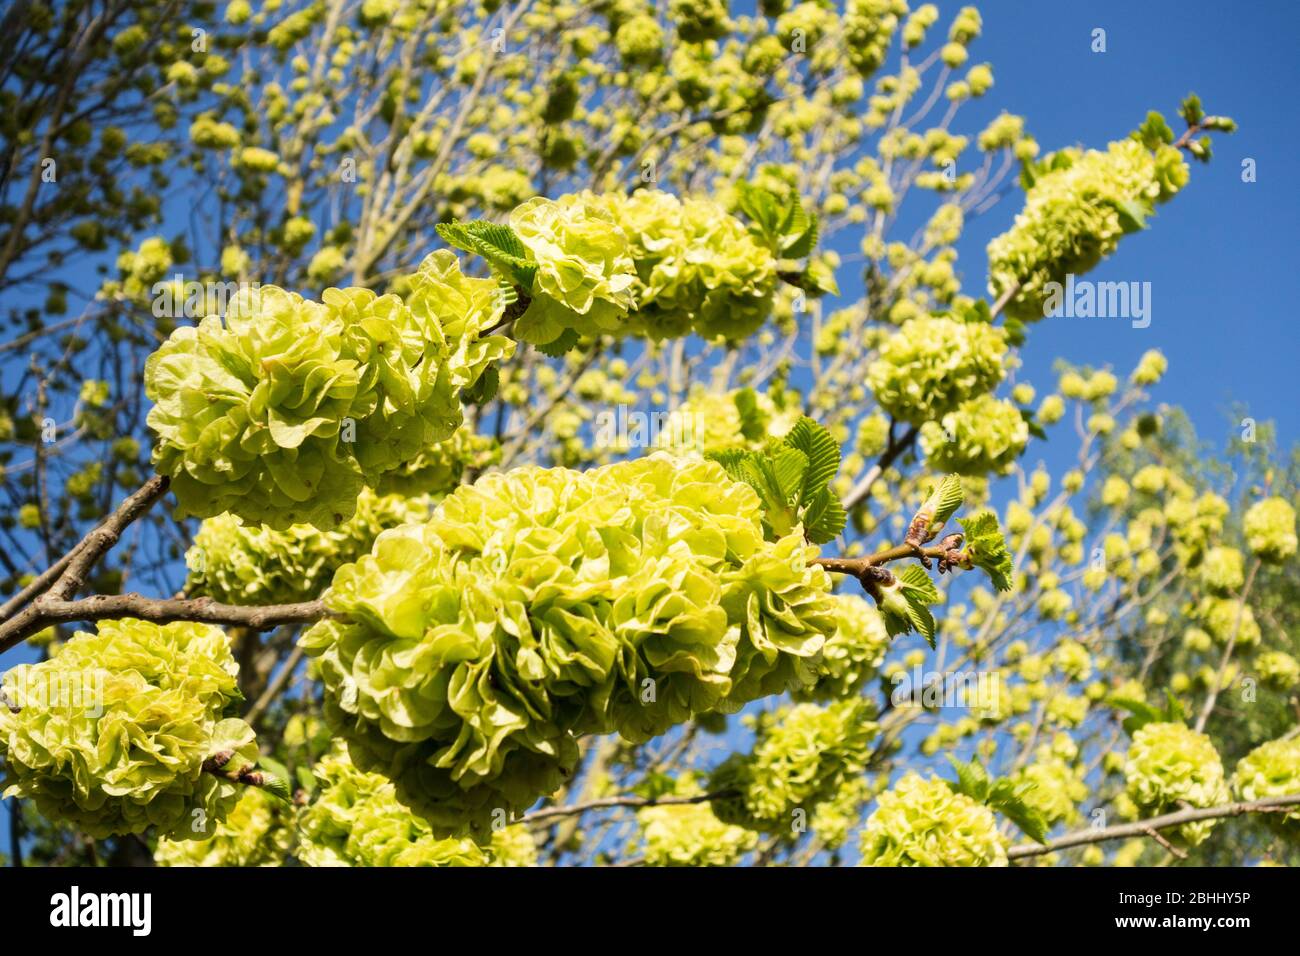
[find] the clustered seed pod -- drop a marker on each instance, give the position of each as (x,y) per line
(803,755)
(921,822)
(356,820)
(1170,764)
(467,655)
(280,412)
(1271,770)
(257,832)
(1074,216)
(235,563)
(111,735)
(931,365)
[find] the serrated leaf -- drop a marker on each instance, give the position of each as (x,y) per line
(801,244)
(944,500)
(496,243)
(915,580)
(1008,799)
(1142,713)
(559,346)
(972,778)
(276,786)
(824,517)
(922,620)
(732,461)
(821,451)
(1132,215)
(762,207)
(986,548)
(790,466)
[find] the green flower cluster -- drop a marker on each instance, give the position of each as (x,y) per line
(1056,788)
(1170,764)
(802,756)
(852,654)
(1074,215)
(982,435)
(1271,770)
(440,468)
(1228,619)
(869,25)
(584,272)
(537,605)
(923,822)
(111,734)
(356,820)
(932,364)
(699,20)
(712,421)
(283,411)
(235,563)
(258,832)
(1278,670)
(1270,529)
(697,266)
(1222,570)
(689,834)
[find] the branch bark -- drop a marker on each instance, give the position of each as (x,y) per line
(551,813)
(1147,827)
(48,610)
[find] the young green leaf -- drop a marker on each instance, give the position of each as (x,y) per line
(496,243)
(972,778)
(985,548)
(821,451)
(1009,800)
(566,342)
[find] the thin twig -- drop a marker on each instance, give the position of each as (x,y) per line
(1143,827)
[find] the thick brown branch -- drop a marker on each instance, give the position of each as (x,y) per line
(48,610)
(1146,827)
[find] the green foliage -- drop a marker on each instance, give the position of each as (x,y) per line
(792,478)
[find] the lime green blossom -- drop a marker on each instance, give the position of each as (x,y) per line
(923,822)
(541,604)
(356,820)
(164,689)
(1170,764)
(931,365)
(281,411)
(257,832)
(1270,529)
(1074,215)
(982,435)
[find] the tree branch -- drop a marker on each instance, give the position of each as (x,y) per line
(1146,827)
(48,610)
(551,813)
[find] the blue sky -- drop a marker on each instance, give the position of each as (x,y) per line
(1222,254)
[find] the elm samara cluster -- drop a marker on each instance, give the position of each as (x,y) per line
(537,605)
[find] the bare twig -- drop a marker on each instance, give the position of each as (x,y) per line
(551,813)
(1146,827)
